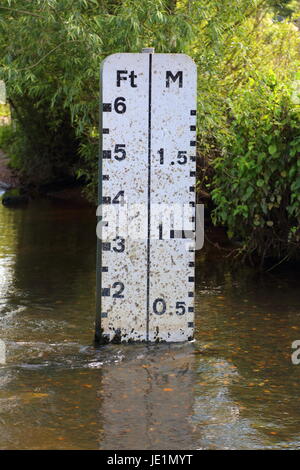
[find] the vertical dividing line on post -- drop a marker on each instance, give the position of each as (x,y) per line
(149,197)
(98,327)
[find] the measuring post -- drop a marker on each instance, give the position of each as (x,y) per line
(146,246)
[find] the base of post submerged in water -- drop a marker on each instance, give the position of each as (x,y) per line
(146,212)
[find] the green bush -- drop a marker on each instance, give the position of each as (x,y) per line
(39,154)
(4,110)
(6,137)
(256,186)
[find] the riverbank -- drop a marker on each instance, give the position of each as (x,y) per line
(69,191)
(8,178)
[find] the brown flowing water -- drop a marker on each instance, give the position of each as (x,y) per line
(235,387)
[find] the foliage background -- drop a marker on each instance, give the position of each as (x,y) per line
(247,53)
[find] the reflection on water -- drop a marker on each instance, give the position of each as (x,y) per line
(234,387)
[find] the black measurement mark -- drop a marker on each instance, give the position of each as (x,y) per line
(192,173)
(106,107)
(106,200)
(191,309)
(190,324)
(191,294)
(104,269)
(160,232)
(105,292)
(177,234)
(193,143)
(191,279)
(192,203)
(192,128)
(106,246)
(105,177)
(192,189)
(149,196)
(103,315)
(106,154)
(105,131)
(191,264)
(193,158)
(181,234)
(161,155)
(193,112)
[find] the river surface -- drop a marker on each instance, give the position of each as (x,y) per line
(235,387)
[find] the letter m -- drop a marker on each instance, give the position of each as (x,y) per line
(174,78)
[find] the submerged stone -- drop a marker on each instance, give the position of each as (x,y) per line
(14,198)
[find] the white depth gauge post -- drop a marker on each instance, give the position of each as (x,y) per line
(145,282)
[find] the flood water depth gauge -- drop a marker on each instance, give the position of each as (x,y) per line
(146,256)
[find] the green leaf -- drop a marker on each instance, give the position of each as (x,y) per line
(260,183)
